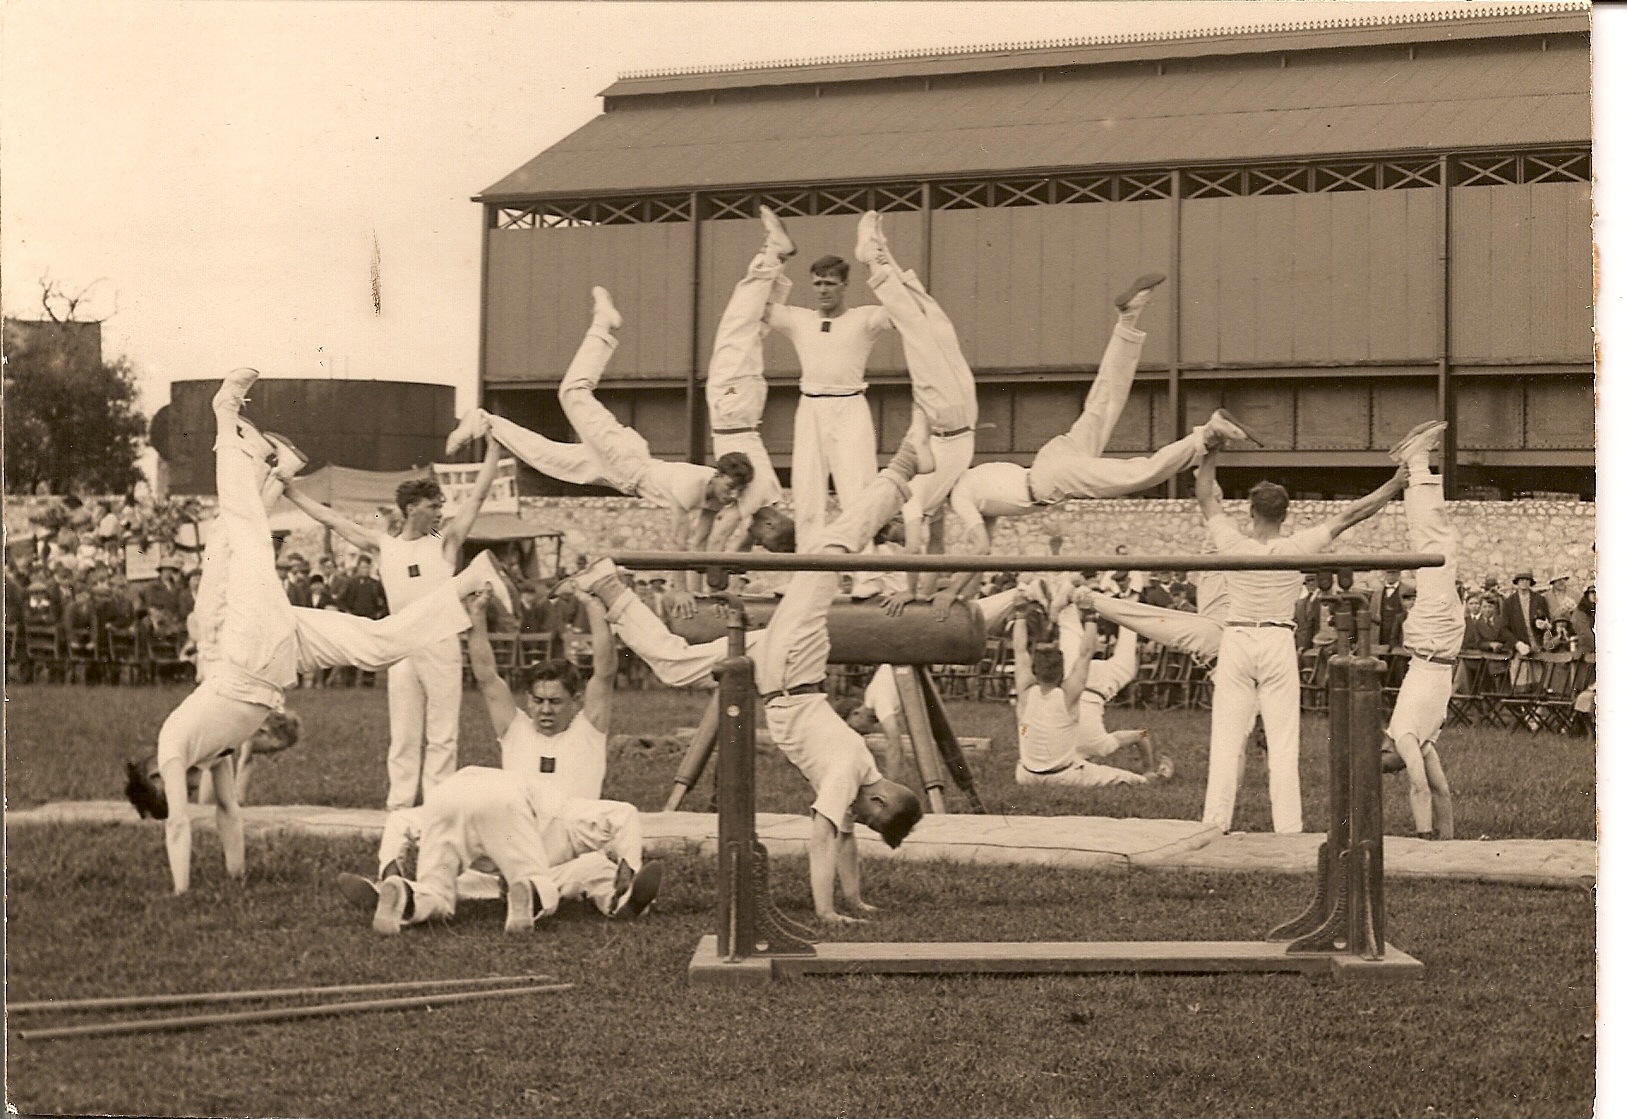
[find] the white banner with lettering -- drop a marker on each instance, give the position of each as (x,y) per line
(458,483)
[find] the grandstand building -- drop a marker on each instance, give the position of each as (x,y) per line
(1364,224)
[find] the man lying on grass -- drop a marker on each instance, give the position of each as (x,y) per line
(253,644)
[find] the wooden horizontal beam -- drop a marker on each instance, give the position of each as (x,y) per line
(768,561)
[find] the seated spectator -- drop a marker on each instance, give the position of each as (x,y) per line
(167,600)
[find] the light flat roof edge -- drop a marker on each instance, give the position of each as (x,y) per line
(1329,38)
(490,199)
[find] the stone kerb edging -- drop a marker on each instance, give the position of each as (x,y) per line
(1098,843)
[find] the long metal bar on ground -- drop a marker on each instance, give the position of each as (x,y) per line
(770,561)
(279,1013)
(141,1002)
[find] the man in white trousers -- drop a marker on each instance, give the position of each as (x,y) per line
(1257,670)
(736,391)
(1062,738)
(425,689)
(614,455)
(561,735)
(790,658)
(834,435)
(1072,465)
(1432,633)
(546,846)
(253,644)
(943,419)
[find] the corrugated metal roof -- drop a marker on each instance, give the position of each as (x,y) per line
(1471,95)
(1391,23)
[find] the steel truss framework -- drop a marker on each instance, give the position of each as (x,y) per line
(1564,165)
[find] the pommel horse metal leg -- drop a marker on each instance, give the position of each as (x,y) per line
(1346,916)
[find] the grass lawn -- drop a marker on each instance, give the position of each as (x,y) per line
(69,743)
(1501,1025)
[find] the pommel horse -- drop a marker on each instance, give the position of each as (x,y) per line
(862,633)
(1340,934)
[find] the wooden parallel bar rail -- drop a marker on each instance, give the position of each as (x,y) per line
(768,561)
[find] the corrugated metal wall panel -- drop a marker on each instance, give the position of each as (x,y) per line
(1033,285)
(1237,251)
(1268,280)
(1265,409)
(1522,272)
(1200,280)
(1345,276)
(507,297)
(538,306)
(994,418)
(1042,412)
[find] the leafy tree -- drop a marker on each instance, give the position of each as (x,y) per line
(70,418)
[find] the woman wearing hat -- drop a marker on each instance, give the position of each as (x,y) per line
(1525,619)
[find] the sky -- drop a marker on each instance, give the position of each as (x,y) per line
(218,176)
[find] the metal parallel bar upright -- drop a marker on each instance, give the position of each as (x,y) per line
(747,920)
(1346,913)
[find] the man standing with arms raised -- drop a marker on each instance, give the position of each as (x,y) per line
(426,689)
(834,437)
(1258,667)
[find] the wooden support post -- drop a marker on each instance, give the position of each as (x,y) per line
(922,743)
(948,741)
(695,759)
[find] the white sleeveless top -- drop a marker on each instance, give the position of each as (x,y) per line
(571,762)
(1047,729)
(410,569)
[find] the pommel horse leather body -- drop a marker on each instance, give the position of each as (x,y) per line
(863,633)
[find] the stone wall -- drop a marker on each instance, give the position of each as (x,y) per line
(1498,538)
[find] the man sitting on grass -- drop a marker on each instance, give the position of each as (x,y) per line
(252,644)
(560,738)
(1060,732)
(546,846)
